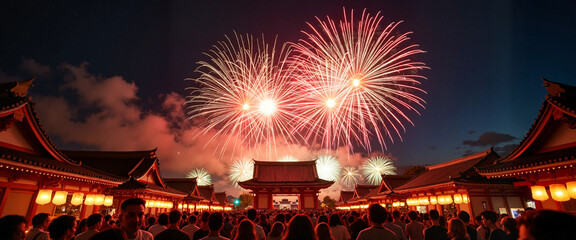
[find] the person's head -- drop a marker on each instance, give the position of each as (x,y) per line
(280,218)
(377,214)
(456,229)
(151,221)
(413,215)
(94,221)
(277,229)
(434,215)
(246,230)
(192,219)
(215,221)
(63,227)
(323,219)
(334,219)
(479,220)
(110,234)
(107,218)
(251,214)
(174,217)
(300,228)
(204,217)
(323,232)
(488,217)
(81,227)
(396,214)
(163,219)
(547,224)
(41,220)
(509,224)
(464,216)
(13,227)
(132,215)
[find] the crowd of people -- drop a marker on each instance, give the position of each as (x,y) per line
(376,223)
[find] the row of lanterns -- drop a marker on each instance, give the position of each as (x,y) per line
(442,200)
(559,192)
(159,204)
(45,196)
(398,204)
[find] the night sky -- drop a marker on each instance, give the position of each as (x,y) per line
(111,73)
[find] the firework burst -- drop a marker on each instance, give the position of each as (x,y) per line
(350,176)
(243,93)
(358,80)
(288,159)
(202,176)
(328,168)
(375,167)
(241,170)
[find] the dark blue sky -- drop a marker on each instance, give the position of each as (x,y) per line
(486,57)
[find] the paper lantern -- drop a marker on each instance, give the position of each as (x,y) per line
(448,199)
(44,196)
(151,204)
(77,198)
(108,200)
(559,192)
(571,187)
(89,199)
(99,199)
(433,200)
(401,204)
(60,197)
(425,201)
(465,198)
(457,198)
(170,205)
(180,206)
(185,206)
(539,193)
(441,200)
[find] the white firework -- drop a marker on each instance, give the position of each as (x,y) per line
(288,158)
(375,167)
(202,176)
(328,168)
(350,176)
(241,170)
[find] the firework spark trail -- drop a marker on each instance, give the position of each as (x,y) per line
(202,176)
(241,170)
(244,92)
(375,167)
(358,81)
(328,168)
(350,176)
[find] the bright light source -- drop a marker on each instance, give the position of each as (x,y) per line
(330,103)
(267,107)
(245,106)
(355,82)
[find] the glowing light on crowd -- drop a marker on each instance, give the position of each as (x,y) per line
(243,93)
(328,168)
(375,167)
(359,79)
(350,176)
(241,170)
(202,176)
(288,158)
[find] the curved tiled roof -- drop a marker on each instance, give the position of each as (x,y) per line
(135,185)
(285,174)
(126,163)
(187,185)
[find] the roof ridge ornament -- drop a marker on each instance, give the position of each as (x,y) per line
(21,88)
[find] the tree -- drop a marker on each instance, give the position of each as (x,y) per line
(329,202)
(415,170)
(246,199)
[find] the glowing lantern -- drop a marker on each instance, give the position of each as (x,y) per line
(185,206)
(89,199)
(465,198)
(77,198)
(433,200)
(44,196)
(108,200)
(180,206)
(424,201)
(571,187)
(539,193)
(441,200)
(401,204)
(99,199)
(60,197)
(448,199)
(559,192)
(457,198)
(170,205)
(151,203)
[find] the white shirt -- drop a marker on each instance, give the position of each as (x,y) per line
(143,235)
(155,229)
(190,229)
(260,232)
(339,232)
(35,231)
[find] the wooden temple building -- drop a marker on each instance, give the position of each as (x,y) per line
(36,176)
(292,178)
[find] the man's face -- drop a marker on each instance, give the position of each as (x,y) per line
(132,218)
(20,232)
(46,224)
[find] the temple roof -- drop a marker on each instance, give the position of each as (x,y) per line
(187,185)
(206,192)
(363,192)
(283,174)
(557,117)
(346,195)
(135,185)
(126,163)
(221,197)
(447,172)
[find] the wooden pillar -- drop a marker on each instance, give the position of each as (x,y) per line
(270,205)
(315,200)
(33,208)
(489,200)
(300,204)
(256,196)
(506,205)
